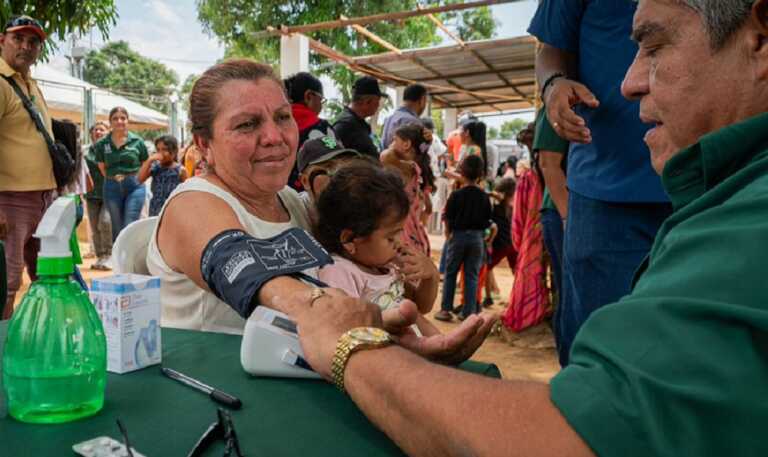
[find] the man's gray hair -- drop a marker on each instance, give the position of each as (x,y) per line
(722,18)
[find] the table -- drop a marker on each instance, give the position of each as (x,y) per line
(279,417)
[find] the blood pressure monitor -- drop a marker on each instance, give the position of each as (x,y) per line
(271,346)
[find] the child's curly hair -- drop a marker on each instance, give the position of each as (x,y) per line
(358,198)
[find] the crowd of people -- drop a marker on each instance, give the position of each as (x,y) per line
(650,232)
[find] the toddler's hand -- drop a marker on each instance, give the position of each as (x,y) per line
(415,266)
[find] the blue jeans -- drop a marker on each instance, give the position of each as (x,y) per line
(552,229)
(605,242)
(124,201)
(465,247)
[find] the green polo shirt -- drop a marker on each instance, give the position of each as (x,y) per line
(546,139)
(679,367)
(98,179)
(124,160)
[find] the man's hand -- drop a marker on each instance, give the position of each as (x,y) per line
(560,98)
(449,348)
(322,322)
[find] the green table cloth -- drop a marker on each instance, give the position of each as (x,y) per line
(279,417)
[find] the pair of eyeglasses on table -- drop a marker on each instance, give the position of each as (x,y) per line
(221,430)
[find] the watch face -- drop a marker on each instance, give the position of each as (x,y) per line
(369,334)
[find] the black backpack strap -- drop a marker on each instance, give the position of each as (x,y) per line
(30,107)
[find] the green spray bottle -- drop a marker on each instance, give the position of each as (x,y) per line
(55,356)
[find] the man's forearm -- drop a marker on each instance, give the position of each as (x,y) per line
(433,410)
(551,60)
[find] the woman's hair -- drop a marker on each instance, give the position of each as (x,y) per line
(297,85)
(472,168)
(118,109)
(170,142)
(96,124)
(358,198)
(414,133)
(203,101)
(476,131)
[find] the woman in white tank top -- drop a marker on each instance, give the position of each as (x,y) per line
(244,129)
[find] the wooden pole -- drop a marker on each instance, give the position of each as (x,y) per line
(275,31)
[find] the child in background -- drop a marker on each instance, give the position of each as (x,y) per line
(501,247)
(361,214)
(409,155)
(317,160)
(467,215)
(165,171)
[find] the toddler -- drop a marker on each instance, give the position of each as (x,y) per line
(165,171)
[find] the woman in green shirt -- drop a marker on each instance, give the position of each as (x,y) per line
(119,156)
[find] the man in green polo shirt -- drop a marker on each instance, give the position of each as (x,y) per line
(679,367)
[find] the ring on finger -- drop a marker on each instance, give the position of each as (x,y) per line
(555,125)
(316,293)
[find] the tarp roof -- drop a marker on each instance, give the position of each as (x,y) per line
(64,95)
(484,76)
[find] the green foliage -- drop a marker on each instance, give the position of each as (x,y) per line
(437,119)
(62,17)
(186,89)
(471,25)
(124,71)
(510,129)
(493,133)
(234,23)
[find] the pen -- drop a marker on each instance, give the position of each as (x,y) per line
(215,394)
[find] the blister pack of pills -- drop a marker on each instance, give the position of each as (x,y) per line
(103,446)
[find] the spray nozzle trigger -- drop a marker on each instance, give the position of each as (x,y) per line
(55,229)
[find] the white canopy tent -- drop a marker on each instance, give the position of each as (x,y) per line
(65,96)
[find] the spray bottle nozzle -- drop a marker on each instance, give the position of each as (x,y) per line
(54,232)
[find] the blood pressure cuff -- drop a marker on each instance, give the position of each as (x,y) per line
(235,265)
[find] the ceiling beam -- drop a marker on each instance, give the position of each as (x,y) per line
(442,27)
(276,31)
(375,38)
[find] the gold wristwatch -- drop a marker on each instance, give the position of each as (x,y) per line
(355,340)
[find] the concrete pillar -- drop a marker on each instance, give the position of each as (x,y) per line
(450,120)
(399,90)
(294,54)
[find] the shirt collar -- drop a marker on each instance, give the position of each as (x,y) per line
(6,69)
(696,169)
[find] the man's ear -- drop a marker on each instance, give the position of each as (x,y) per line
(759,36)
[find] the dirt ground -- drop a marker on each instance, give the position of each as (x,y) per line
(529,355)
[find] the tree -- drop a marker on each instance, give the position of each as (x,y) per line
(124,71)
(186,89)
(510,129)
(493,133)
(60,18)
(235,22)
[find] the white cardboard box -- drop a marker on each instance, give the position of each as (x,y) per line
(129,308)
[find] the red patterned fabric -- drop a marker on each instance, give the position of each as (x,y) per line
(529,299)
(414,233)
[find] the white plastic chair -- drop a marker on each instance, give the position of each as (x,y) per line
(129,253)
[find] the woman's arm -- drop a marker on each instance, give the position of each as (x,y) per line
(554,179)
(146,167)
(182,239)
(102,168)
(183,174)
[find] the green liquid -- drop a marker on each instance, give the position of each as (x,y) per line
(55,397)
